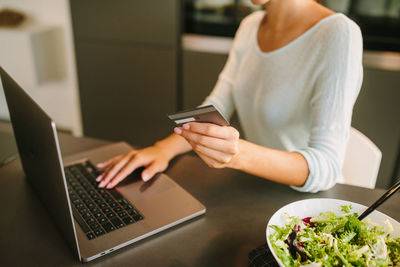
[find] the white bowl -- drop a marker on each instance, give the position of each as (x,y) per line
(314,206)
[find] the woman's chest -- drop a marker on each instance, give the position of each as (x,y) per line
(275,89)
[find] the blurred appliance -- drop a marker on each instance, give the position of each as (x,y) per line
(379,21)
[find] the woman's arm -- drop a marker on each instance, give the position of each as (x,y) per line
(276,165)
(336,89)
(221,147)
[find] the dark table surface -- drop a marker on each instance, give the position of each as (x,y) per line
(238,208)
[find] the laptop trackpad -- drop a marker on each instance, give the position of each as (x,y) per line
(133,188)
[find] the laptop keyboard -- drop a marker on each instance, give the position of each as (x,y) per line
(98,211)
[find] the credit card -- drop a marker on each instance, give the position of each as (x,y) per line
(208,114)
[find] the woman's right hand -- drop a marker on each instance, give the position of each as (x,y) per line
(154,158)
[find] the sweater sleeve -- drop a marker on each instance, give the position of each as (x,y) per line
(221,96)
(336,89)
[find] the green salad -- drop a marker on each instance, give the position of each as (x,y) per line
(335,240)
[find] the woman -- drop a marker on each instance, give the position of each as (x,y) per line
(293,75)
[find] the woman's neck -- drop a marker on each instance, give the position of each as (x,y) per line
(282,14)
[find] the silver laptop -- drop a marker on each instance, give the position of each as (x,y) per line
(94,221)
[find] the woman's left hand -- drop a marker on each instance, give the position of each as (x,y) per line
(216,145)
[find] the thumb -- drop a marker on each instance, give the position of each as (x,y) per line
(151,171)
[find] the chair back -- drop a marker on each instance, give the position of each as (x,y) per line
(362,160)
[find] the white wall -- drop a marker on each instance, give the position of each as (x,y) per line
(59,97)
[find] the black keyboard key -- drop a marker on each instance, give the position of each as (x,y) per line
(105,196)
(80,167)
(94,210)
(86,215)
(90,220)
(90,235)
(99,201)
(117,209)
(94,226)
(137,217)
(132,212)
(84,210)
(90,165)
(101,191)
(102,220)
(108,227)
(128,220)
(99,232)
(111,215)
(87,187)
(88,176)
(117,222)
(106,209)
(127,207)
(115,194)
(122,214)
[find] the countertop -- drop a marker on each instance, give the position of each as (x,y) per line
(238,209)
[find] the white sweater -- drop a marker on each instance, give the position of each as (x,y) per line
(296,98)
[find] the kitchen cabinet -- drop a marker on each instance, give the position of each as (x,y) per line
(376,114)
(200,73)
(127,55)
(121,98)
